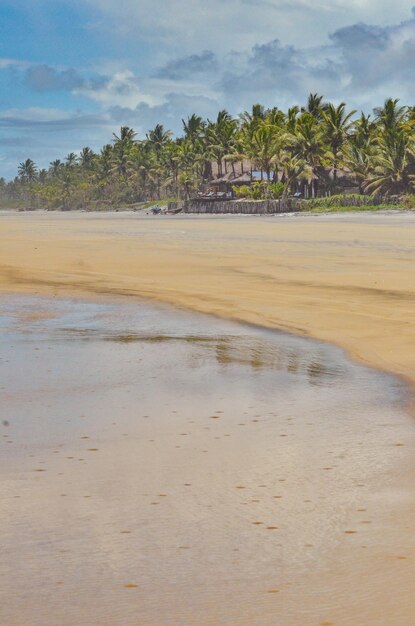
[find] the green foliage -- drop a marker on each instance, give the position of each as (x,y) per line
(242,191)
(343,200)
(338,208)
(408,201)
(308,150)
(349,202)
(260,190)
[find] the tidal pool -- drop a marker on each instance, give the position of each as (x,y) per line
(162,468)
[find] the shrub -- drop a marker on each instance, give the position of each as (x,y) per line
(260,190)
(408,201)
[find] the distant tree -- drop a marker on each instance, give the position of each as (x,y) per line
(27,171)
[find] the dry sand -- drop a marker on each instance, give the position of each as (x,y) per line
(347,279)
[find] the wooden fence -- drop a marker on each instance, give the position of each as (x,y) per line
(244,207)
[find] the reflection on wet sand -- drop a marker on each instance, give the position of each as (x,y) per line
(162,468)
(233,350)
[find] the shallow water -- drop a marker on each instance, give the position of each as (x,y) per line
(163,468)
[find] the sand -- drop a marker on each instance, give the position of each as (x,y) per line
(82,541)
(164,468)
(346,279)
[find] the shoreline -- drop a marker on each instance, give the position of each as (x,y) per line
(233,270)
(145,211)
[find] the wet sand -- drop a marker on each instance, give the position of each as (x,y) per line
(347,279)
(164,468)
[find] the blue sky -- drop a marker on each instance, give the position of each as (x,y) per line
(73,71)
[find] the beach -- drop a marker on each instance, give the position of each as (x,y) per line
(207,421)
(346,279)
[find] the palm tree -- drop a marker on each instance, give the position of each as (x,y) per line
(336,123)
(308,145)
(220,137)
(255,117)
(71,159)
(390,117)
(294,170)
(193,127)
(27,171)
(127,135)
(315,106)
(158,138)
(393,172)
(86,158)
(55,167)
(263,148)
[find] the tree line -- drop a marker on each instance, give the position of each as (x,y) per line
(316,150)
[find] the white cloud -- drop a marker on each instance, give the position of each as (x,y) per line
(122,88)
(183,27)
(188,56)
(6,63)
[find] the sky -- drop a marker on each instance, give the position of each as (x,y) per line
(73,71)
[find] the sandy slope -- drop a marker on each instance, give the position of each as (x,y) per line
(346,279)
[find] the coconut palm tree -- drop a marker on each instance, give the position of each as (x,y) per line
(193,127)
(86,158)
(391,116)
(393,172)
(55,167)
(71,159)
(336,124)
(158,138)
(27,171)
(308,145)
(127,135)
(263,147)
(315,106)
